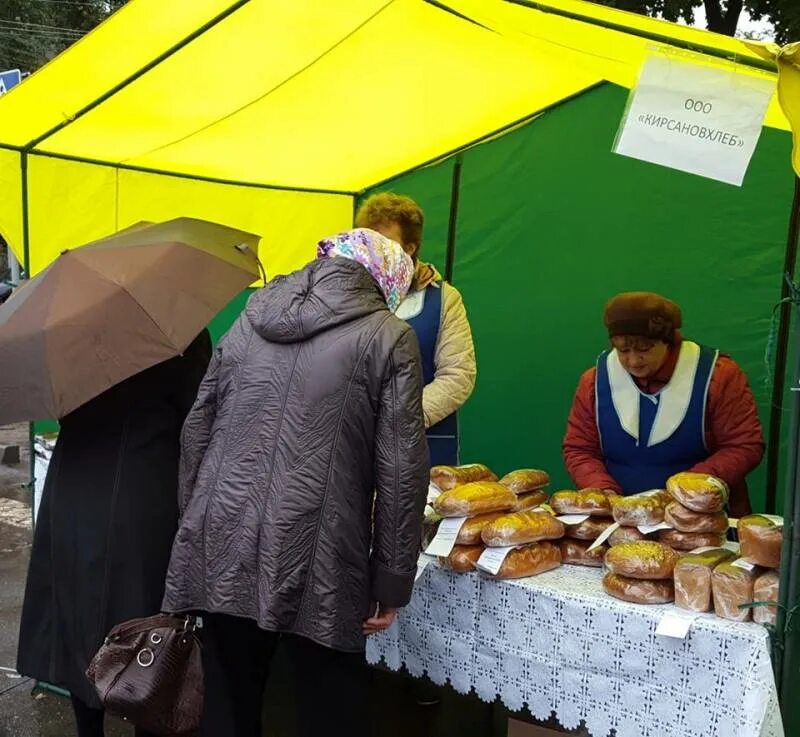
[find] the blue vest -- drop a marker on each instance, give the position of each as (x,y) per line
(646,438)
(423,311)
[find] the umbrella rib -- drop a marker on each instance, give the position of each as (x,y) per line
(136,301)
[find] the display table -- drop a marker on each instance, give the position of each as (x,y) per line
(558,643)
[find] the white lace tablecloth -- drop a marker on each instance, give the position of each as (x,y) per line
(558,643)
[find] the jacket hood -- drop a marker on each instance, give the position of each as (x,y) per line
(326,293)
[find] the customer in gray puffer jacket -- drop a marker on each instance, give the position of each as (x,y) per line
(304,473)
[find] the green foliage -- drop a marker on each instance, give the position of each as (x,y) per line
(722,16)
(34,31)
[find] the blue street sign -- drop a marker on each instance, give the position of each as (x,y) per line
(9,79)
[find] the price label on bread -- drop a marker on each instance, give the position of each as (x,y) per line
(609,531)
(647,529)
(572,519)
(745,565)
(492,559)
(445,537)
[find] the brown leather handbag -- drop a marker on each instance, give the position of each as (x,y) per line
(149,671)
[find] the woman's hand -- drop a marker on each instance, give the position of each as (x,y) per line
(381,620)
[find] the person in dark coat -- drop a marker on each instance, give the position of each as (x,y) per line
(304,473)
(105,527)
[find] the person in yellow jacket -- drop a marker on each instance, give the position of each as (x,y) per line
(436,311)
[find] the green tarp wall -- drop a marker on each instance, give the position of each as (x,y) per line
(551,224)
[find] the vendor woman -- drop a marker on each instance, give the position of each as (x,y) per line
(656,404)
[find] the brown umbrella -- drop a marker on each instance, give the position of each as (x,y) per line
(103,312)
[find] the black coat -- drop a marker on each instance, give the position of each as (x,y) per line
(307,428)
(107,520)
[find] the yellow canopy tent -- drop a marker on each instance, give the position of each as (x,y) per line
(271,116)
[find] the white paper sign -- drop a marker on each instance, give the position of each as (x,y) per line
(492,558)
(676,623)
(705,120)
(732,523)
(422,564)
(607,533)
(434,492)
(774,518)
(445,537)
(572,519)
(745,564)
(732,546)
(647,529)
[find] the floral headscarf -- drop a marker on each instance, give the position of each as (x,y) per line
(382,257)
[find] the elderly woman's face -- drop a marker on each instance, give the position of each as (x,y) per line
(640,357)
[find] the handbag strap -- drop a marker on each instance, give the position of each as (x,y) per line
(186,623)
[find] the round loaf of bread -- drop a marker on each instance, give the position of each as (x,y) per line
(526,480)
(678,540)
(638,591)
(628,535)
(639,509)
(462,558)
(698,491)
(761,540)
(470,532)
(520,528)
(589,529)
(530,560)
(685,520)
(530,500)
(448,477)
(588,501)
(574,552)
(645,560)
(479,497)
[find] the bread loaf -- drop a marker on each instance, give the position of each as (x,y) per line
(761,540)
(690,540)
(581,502)
(531,500)
(693,578)
(685,520)
(575,553)
(476,498)
(530,560)
(462,558)
(638,591)
(765,588)
(639,509)
(733,586)
(698,491)
(590,529)
(519,528)
(525,480)
(628,535)
(470,532)
(448,477)
(645,560)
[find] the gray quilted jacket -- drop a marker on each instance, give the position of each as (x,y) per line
(304,466)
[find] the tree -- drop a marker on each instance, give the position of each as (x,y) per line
(722,16)
(34,31)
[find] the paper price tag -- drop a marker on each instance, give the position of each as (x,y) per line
(434,492)
(775,519)
(732,522)
(421,566)
(492,558)
(607,533)
(647,529)
(572,519)
(745,564)
(732,546)
(445,537)
(676,624)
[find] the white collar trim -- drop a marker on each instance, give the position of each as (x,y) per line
(673,400)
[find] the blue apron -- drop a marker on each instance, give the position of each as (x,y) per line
(646,438)
(423,311)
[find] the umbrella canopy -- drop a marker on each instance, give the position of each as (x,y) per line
(105,311)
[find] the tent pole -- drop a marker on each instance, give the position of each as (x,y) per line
(781,353)
(787,646)
(452,227)
(26,263)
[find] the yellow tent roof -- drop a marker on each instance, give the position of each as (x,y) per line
(328,98)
